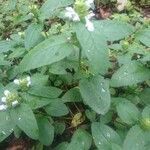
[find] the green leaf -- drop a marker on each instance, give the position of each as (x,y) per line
(57,108)
(95,93)
(33,35)
(18,52)
(115,147)
(6,125)
(25,120)
(81,140)
(39,79)
(61,67)
(45,91)
(145,96)
(49,8)
(59,127)
(135,139)
(128,112)
(144,36)
(94,47)
(113,30)
(5,46)
(130,74)
(46,131)
(61,146)
(72,95)
(104,136)
(146,112)
(53,50)
(35,102)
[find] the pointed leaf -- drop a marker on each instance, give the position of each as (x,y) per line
(129,74)
(6,125)
(95,48)
(113,30)
(81,140)
(25,120)
(33,35)
(135,139)
(104,136)
(46,131)
(95,93)
(128,112)
(46,53)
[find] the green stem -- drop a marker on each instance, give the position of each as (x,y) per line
(80,55)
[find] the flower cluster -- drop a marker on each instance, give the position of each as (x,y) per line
(8,100)
(23,82)
(75,14)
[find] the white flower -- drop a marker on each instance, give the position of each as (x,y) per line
(90,15)
(89,25)
(7,39)
(16,81)
(3,107)
(29,81)
(89,2)
(31,14)
(3,100)
(6,93)
(71,14)
(121,4)
(15,103)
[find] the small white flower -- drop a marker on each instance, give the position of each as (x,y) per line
(29,81)
(89,2)
(16,81)
(71,14)
(6,93)
(90,15)
(3,100)
(7,39)
(121,4)
(15,103)
(3,107)
(31,14)
(89,25)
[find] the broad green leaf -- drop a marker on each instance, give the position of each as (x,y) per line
(6,125)
(18,52)
(62,66)
(115,147)
(46,131)
(73,95)
(95,93)
(39,79)
(59,127)
(49,8)
(33,35)
(144,36)
(146,112)
(25,120)
(5,46)
(128,112)
(45,91)
(3,62)
(113,30)
(130,74)
(47,52)
(61,146)
(81,140)
(145,96)
(135,139)
(56,108)
(94,47)
(35,102)
(104,136)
